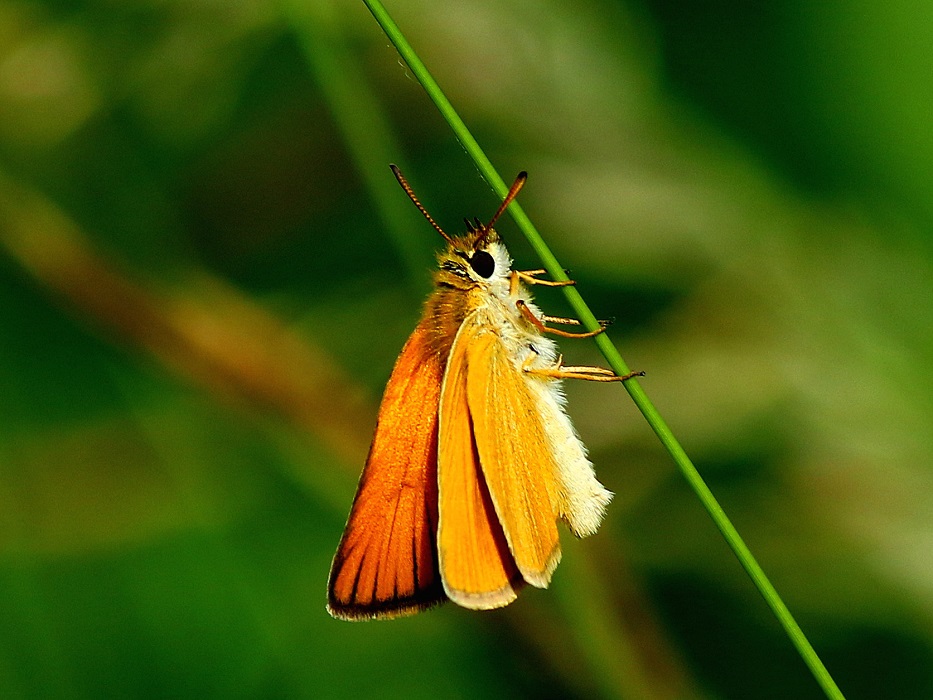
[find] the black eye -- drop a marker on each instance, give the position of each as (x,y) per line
(483,264)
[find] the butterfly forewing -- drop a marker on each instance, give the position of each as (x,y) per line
(477,569)
(385,565)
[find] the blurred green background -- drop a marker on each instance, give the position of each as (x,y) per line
(207,269)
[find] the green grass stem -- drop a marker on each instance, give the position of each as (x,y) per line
(644,404)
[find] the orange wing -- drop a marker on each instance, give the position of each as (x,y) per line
(516,457)
(385,565)
(476,567)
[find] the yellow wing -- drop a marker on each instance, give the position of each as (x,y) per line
(385,565)
(516,457)
(475,564)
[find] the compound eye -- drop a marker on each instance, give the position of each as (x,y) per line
(483,264)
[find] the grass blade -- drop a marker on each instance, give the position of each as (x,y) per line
(644,404)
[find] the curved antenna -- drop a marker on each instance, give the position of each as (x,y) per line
(411,195)
(513,191)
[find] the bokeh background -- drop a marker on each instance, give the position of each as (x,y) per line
(207,269)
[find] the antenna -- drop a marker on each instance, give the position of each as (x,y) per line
(512,193)
(411,195)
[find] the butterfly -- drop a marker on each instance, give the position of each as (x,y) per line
(474,459)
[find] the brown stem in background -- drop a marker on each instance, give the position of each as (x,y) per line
(211,335)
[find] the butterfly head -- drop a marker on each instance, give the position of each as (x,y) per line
(478,257)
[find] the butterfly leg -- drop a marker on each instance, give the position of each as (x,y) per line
(531,277)
(539,323)
(591,374)
(547,318)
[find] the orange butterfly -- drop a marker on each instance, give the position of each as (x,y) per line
(474,459)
